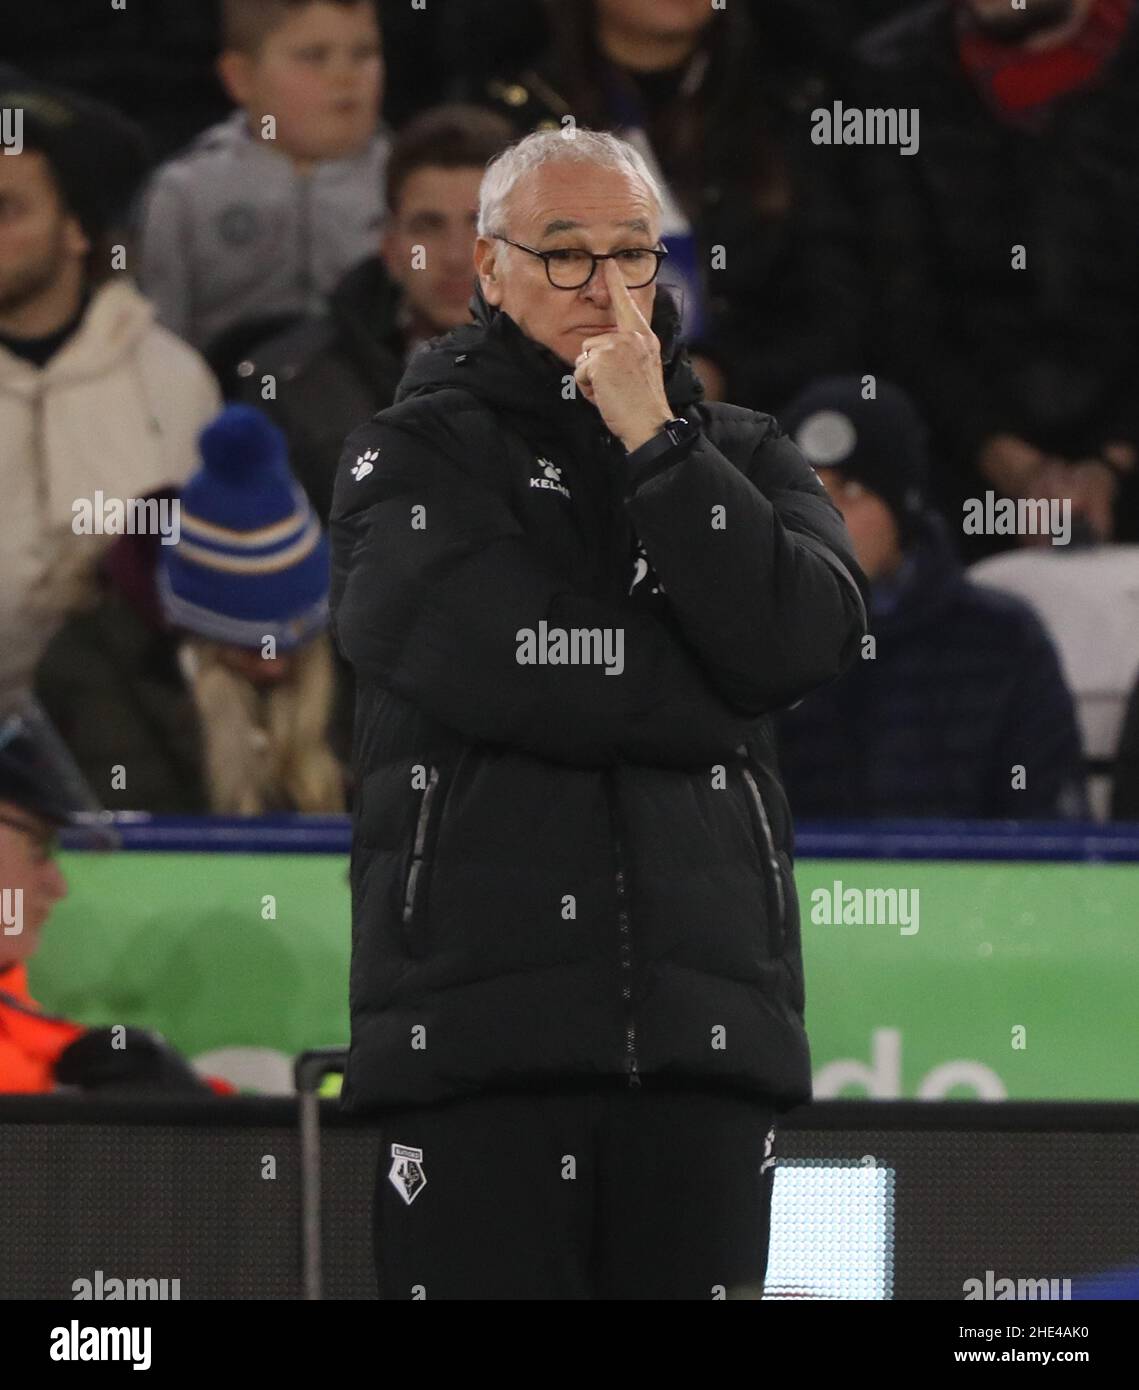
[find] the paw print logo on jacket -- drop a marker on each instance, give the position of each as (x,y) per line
(551,478)
(364,464)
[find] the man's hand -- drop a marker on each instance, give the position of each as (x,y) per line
(1121,456)
(621,373)
(1093,487)
(1089,485)
(1011,464)
(711,377)
(1019,469)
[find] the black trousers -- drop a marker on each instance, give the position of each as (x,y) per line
(607,1193)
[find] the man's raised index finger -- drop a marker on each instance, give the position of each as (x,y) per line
(628,315)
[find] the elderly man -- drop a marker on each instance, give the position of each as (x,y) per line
(573,595)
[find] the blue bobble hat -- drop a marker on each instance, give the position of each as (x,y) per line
(251,560)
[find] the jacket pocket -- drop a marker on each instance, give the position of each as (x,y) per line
(415,884)
(769,865)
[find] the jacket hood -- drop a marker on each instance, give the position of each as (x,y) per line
(365,307)
(117,319)
(493,359)
(233,137)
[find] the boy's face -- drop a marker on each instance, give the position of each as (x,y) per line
(257,670)
(660,18)
(438,212)
(319,74)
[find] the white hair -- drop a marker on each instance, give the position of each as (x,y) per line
(574,145)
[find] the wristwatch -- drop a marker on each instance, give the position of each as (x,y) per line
(671,435)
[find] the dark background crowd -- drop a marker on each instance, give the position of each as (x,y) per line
(212,270)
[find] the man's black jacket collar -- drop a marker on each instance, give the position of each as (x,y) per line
(495,360)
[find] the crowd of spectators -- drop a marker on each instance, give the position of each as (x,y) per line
(223,233)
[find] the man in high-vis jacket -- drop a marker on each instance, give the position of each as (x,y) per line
(41,793)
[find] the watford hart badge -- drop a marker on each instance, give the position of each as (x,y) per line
(407,1175)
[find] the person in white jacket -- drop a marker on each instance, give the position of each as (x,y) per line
(99,405)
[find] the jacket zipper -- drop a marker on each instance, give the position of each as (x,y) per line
(624,931)
(418,846)
(618,537)
(306,273)
(769,845)
(39,453)
(627,972)
(625,936)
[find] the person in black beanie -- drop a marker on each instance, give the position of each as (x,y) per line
(958,706)
(97,156)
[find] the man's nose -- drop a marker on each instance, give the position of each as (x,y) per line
(597,291)
(344,74)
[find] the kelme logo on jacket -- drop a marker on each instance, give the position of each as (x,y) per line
(552,478)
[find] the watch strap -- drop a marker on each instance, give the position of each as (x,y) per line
(661,451)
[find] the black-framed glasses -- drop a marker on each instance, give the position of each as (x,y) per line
(572,267)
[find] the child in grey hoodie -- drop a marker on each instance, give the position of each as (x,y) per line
(263,213)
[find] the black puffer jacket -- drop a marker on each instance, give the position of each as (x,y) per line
(560,873)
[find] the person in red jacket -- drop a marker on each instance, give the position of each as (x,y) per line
(41,791)
(31,1041)
(31,883)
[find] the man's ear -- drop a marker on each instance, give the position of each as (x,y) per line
(487,265)
(389,254)
(235,71)
(76,240)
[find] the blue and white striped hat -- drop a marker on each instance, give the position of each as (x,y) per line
(251,560)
